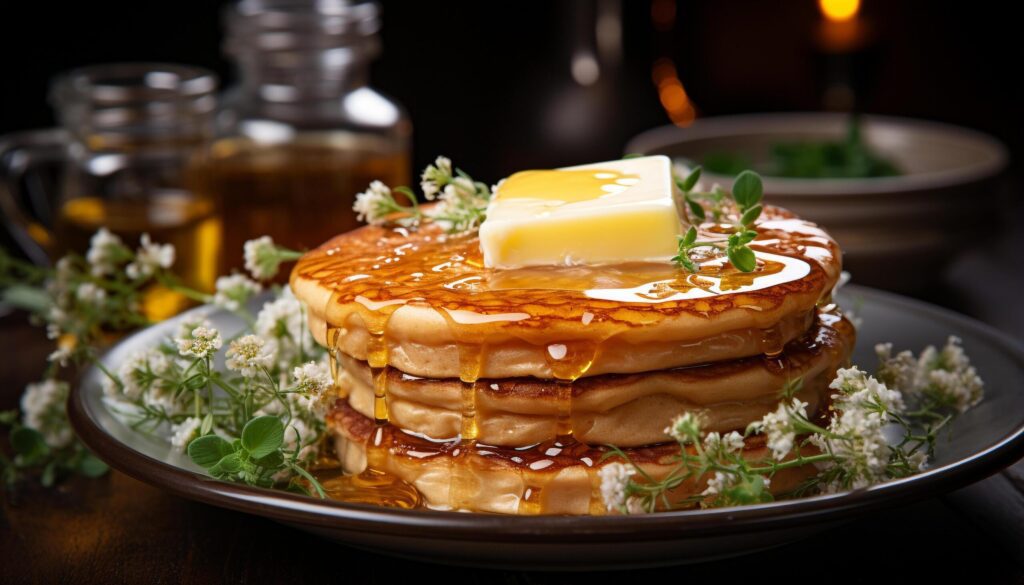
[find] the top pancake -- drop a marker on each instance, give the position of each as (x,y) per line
(421,301)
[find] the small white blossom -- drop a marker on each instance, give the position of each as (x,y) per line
(105,252)
(779,427)
(149,257)
(945,375)
(262,259)
(60,356)
(718,483)
(203,343)
(373,205)
(249,355)
(716,443)
(314,385)
(615,478)
(857,388)
(140,372)
(435,175)
(187,325)
(90,294)
(284,320)
(684,428)
(42,407)
(232,292)
(182,433)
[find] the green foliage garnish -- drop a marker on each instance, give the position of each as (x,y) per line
(747,192)
(255,459)
(849,158)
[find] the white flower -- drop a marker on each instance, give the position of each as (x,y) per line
(615,478)
(635,505)
(684,428)
(184,432)
(60,356)
(857,388)
(203,343)
(149,257)
(284,320)
(718,483)
(90,294)
(262,259)
(140,372)
(105,252)
(435,175)
(234,291)
(373,205)
(779,427)
(945,375)
(314,385)
(249,355)
(717,444)
(42,407)
(190,323)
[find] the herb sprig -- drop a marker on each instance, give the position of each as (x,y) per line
(461,201)
(745,198)
(916,396)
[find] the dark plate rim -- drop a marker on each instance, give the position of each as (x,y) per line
(301,510)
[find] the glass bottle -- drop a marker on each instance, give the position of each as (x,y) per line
(302,132)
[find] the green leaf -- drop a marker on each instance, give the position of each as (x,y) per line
(742,258)
(747,189)
(751,215)
(92,466)
(230,463)
(49,475)
(206,425)
(695,209)
(632,155)
(272,461)
(29,444)
(690,237)
(262,436)
(208,450)
(691,180)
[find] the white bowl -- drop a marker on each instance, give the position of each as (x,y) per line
(916,218)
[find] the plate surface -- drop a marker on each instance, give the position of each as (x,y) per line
(979,443)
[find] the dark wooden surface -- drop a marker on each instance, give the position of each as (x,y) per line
(117,530)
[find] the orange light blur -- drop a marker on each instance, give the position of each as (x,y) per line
(673,96)
(839,10)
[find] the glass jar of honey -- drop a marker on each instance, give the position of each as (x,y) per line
(302,131)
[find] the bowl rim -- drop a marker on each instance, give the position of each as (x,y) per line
(747,124)
(456,526)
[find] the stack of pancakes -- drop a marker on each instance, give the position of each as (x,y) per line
(501,390)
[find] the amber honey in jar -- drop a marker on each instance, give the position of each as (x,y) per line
(302,132)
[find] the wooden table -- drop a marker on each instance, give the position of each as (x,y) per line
(115,529)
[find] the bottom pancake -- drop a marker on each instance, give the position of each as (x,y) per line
(554,477)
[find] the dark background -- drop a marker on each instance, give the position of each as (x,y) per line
(484,81)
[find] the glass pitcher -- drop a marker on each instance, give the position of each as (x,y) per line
(128,132)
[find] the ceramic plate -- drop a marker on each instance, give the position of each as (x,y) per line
(984,440)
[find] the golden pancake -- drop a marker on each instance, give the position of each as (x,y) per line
(626,410)
(421,301)
(549,478)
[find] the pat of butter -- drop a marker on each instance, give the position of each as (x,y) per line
(601,213)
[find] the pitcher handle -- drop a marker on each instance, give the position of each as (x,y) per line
(23,198)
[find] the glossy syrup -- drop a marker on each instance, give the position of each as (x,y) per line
(374,271)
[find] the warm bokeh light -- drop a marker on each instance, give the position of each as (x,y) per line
(673,96)
(839,10)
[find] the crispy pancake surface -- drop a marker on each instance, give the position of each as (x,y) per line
(421,301)
(626,410)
